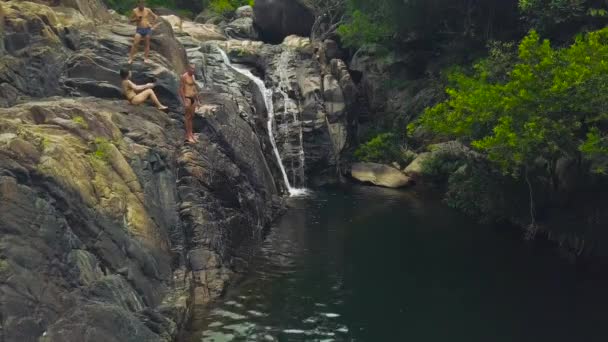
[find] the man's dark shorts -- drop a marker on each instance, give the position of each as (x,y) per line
(143,31)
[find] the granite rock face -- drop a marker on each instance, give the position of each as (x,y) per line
(111,229)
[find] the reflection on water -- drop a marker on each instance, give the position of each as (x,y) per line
(371,264)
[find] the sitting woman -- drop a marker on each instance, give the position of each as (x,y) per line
(138,94)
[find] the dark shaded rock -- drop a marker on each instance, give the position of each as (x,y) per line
(277,19)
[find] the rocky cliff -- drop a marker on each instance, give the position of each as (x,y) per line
(112,229)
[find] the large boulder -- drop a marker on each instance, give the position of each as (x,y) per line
(379,174)
(276,19)
(209,17)
(241,28)
(203,32)
(244,12)
(416,167)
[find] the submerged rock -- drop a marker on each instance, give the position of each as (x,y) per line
(379,174)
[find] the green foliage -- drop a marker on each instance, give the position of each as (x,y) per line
(395,21)
(81,122)
(102,149)
(383,148)
(595,147)
(548,102)
(554,16)
(438,168)
(363,29)
(226,7)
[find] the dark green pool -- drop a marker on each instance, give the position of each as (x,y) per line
(375,265)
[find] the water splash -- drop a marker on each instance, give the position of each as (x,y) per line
(283,88)
(267,94)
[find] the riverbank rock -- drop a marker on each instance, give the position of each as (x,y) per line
(379,174)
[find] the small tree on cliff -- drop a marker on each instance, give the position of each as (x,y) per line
(329,15)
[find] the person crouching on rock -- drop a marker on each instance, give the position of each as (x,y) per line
(140,16)
(138,94)
(188,92)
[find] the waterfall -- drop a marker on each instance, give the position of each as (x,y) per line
(283,88)
(267,94)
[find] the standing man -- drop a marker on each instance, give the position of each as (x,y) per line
(188,92)
(141,16)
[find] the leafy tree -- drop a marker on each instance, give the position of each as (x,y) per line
(560,18)
(226,7)
(384,148)
(551,104)
(428,20)
(364,29)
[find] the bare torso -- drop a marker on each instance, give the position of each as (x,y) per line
(143,17)
(189,86)
(128,90)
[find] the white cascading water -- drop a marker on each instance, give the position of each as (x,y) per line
(283,88)
(267,94)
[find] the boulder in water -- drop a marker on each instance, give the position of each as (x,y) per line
(379,174)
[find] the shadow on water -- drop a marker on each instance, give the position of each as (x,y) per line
(372,264)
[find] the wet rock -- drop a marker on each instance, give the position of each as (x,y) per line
(379,174)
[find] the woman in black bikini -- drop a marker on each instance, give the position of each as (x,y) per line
(188,91)
(138,94)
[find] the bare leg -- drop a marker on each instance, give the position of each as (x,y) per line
(194,107)
(147,51)
(144,95)
(188,122)
(136,41)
